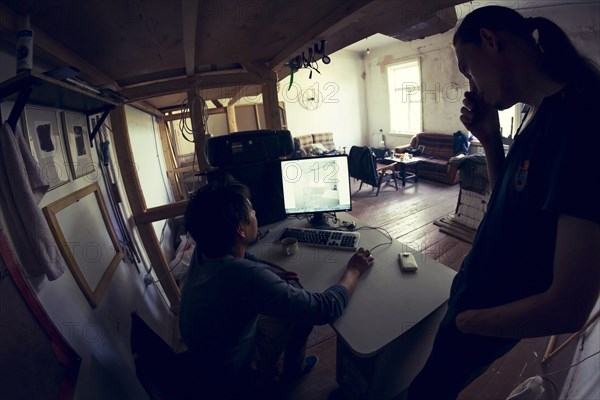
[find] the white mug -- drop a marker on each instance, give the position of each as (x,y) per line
(289,246)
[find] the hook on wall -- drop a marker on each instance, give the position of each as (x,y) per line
(301,61)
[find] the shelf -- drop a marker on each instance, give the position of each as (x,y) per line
(53,93)
(41,90)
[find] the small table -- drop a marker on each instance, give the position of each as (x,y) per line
(401,168)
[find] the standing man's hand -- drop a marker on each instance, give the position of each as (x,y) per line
(480,118)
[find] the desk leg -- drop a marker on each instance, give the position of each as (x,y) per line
(417,172)
(403,174)
(388,373)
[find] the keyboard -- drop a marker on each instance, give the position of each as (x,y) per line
(323,238)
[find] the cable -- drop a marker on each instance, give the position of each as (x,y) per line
(551,382)
(553,385)
(164,276)
(382,230)
(574,365)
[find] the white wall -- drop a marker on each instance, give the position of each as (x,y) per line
(443,84)
(144,136)
(343,110)
(100,335)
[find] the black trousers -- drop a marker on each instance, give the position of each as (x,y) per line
(456,360)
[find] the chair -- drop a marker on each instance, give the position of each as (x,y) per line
(163,374)
(363,166)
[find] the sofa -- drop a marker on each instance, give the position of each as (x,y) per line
(314,144)
(438,150)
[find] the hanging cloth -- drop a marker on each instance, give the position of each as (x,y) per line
(22,187)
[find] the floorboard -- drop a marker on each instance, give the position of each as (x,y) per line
(408,215)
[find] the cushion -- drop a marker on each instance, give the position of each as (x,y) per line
(325,138)
(319,148)
(303,140)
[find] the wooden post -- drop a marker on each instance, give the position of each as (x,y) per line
(231,119)
(196,107)
(271,103)
(549,348)
(169,156)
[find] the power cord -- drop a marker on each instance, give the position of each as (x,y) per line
(383,231)
(148,278)
(532,388)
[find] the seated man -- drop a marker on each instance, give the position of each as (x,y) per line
(238,314)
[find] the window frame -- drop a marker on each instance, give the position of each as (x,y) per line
(392,96)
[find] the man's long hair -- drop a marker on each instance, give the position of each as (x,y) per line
(560,59)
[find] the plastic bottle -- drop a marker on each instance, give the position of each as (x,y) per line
(24,47)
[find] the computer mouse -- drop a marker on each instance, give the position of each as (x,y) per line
(351,225)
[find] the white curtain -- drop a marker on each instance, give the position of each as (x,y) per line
(22,187)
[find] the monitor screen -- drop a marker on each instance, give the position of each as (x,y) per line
(316,185)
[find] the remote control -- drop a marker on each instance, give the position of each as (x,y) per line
(407,262)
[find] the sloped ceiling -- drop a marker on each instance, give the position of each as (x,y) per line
(154,50)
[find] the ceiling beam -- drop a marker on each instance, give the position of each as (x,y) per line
(217,103)
(148,108)
(184,84)
(259,69)
(316,30)
(241,92)
(189,14)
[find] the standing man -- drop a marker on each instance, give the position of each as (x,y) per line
(238,315)
(534,268)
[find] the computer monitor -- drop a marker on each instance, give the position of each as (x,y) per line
(316,185)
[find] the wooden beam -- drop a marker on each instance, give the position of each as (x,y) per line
(133,188)
(316,30)
(148,108)
(169,157)
(55,51)
(217,103)
(189,14)
(182,85)
(259,69)
(162,212)
(241,92)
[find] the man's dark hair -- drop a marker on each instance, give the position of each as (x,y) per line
(560,59)
(213,215)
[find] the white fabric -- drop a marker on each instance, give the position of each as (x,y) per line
(22,187)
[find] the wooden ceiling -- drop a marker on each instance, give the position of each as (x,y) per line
(156,50)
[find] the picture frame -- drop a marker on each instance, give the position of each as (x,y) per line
(46,143)
(92,263)
(78,144)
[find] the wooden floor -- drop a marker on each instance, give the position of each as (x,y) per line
(408,215)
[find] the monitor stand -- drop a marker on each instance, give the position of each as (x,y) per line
(319,221)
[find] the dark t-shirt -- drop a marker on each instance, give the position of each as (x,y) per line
(223,297)
(549,170)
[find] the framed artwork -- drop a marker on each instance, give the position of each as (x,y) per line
(78,144)
(43,131)
(87,239)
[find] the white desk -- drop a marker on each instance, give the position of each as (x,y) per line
(387,330)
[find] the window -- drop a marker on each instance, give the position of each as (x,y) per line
(509,120)
(404,82)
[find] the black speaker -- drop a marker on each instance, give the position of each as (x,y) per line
(248,147)
(264,181)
